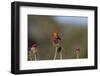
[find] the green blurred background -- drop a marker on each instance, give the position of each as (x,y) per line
(72,29)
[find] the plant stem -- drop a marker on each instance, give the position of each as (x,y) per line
(77,55)
(35,57)
(55,53)
(60,55)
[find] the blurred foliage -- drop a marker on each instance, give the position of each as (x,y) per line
(40,30)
